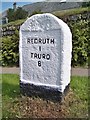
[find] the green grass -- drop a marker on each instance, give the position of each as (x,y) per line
(71,12)
(10,85)
(79,86)
(57,13)
(76,102)
(10,92)
(14,23)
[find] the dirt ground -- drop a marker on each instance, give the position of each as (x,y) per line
(31,107)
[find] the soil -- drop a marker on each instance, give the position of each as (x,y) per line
(32,107)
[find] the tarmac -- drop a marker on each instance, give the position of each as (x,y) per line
(74,71)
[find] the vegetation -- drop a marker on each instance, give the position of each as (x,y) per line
(10,15)
(20,21)
(14,23)
(81,40)
(36,12)
(80,51)
(10,92)
(75,104)
(56,13)
(10,50)
(86,4)
(64,13)
(80,31)
(19,13)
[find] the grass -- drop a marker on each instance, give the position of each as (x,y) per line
(75,104)
(10,91)
(79,85)
(57,13)
(14,23)
(71,12)
(0,97)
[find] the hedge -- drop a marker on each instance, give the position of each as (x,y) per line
(80,52)
(10,50)
(81,41)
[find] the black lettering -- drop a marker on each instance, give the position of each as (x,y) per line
(39,48)
(47,56)
(39,56)
(44,41)
(32,40)
(28,40)
(39,63)
(35,55)
(35,41)
(40,40)
(48,40)
(43,56)
(31,55)
(52,41)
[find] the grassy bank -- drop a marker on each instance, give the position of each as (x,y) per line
(75,103)
(71,12)
(14,23)
(57,13)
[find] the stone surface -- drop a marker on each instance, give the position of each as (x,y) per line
(45,52)
(42,91)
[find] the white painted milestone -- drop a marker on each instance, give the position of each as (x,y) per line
(45,51)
